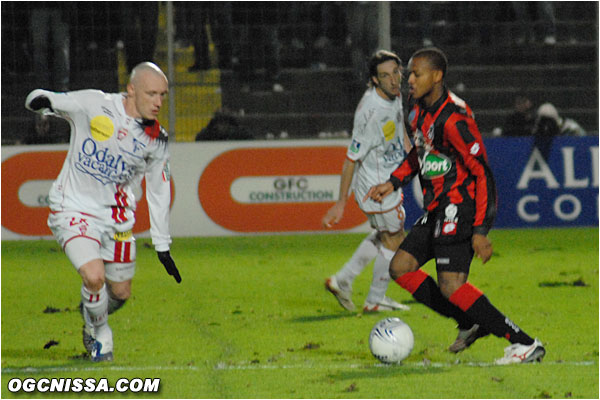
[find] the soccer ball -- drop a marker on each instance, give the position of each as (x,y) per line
(391,340)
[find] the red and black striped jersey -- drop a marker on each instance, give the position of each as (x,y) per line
(450,159)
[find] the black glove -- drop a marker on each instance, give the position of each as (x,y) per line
(40,102)
(167,261)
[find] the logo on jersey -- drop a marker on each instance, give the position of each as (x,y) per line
(102,128)
(475,149)
(435,165)
(102,165)
(389,130)
(355,146)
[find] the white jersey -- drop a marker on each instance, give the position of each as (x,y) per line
(109,155)
(377,148)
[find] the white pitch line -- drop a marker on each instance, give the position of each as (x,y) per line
(238,367)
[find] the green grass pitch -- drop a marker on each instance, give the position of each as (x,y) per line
(251,319)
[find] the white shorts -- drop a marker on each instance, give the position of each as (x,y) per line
(85,238)
(391,221)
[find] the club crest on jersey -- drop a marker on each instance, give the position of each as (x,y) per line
(122,134)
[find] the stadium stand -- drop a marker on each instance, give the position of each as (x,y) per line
(319,101)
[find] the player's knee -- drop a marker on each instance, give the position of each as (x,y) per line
(448,286)
(402,263)
(120,290)
(92,276)
(93,282)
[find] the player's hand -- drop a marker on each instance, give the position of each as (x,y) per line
(482,247)
(379,192)
(167,261)
(333,215)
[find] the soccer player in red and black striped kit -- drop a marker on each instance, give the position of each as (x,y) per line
(459,197)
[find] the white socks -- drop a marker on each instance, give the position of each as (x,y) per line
(381,275)
(96,306)
(366,251)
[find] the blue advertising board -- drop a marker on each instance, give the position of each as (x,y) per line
(554,184)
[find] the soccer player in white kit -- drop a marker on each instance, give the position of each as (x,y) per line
(115,142)
(379,144)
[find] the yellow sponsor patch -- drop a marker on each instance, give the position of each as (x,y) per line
(102,128)
(122,236)
(389,130)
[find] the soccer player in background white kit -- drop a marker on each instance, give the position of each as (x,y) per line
(115,142)
(379,145)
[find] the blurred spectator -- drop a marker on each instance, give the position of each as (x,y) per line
(217,16)
(548,114)
(362,23)
(223,126)
(548,124)
(45,129)
(425,22)
(258,42)
(543,15)
(16,55)
(140,25)
(317,27)
(50,29)
(475,22)
(520,121)
(49,32)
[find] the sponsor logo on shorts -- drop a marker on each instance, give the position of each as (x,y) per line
(443,260)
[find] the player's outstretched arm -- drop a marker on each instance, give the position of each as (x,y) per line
(379,192)
(167,261)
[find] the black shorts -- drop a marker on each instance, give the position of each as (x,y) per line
(444,234)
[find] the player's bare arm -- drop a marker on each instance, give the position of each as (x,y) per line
(379,192)
(336,212)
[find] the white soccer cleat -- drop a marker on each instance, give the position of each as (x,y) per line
(521,353)
(344,297)
(386,304)
(103,346)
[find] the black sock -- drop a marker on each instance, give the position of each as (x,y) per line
(477,306)
(426,291)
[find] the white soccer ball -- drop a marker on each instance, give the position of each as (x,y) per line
(391,340)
